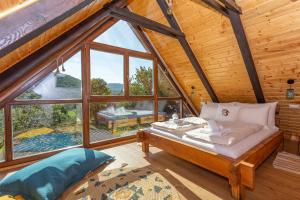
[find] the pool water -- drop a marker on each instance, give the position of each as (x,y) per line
(48,142)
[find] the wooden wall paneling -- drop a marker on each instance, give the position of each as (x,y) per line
(188,50)
(272,29)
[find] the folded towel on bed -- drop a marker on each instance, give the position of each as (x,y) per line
(229,134)
(180,126)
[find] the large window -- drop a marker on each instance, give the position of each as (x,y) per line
(43,128)
(63,83)
(140,76)
(2,144)
(107,73)
(112,120)
(100,92)
(121,35)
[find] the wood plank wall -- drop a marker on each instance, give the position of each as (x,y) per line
(272,28)
(51,34)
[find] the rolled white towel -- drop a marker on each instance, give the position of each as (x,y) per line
(212,128)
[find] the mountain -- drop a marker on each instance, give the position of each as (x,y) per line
(115,88)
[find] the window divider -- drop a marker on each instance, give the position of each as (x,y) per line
(155,74)
(44,101)
(126,74)
(85,69)
(8,133)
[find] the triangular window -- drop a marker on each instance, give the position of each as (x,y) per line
(121,35)
(165,88)
(64,82)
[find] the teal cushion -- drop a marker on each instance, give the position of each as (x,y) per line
(49,178)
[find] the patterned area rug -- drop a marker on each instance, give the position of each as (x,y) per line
(125,184)
(288,162)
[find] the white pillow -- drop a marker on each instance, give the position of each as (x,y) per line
(208,111)
(227,113)
(254,115)
(271,114)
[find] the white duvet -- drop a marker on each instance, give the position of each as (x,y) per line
(236,132)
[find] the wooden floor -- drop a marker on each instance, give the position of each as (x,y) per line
(196,183)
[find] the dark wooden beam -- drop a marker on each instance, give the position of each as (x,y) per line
(232,5)
(142,35)
(133,18)
(188,50)
(246,53)
(39,59)
(215,5)
(33,20)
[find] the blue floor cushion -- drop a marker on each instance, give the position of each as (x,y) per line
(49,178)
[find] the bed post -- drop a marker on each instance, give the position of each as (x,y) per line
(235,184)
(142,137)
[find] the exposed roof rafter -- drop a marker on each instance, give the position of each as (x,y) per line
(188,50)
(133,18)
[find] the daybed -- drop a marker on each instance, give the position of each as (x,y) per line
(237,162)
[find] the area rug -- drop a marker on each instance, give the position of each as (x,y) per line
(288,162)
(125,184)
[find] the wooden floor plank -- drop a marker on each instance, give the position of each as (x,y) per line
(196,183)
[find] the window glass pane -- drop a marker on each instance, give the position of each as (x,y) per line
(121,35)
(165,88)
(63,83)
(186,112)
(43,128)
(140,76)
(168,108)
(107,73)
(2,145)
(113,120)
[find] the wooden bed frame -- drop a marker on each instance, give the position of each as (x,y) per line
(240,172)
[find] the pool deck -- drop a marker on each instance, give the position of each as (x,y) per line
(96,135)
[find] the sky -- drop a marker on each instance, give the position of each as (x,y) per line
(109,66)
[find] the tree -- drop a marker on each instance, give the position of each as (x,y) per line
(141,82)
(98,87)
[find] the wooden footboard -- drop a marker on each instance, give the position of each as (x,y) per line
(255,157)
(240,172)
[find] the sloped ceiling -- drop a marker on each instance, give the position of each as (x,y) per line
(272,28)
(43,39)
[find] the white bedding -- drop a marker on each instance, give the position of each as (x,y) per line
(235,133)
(234,151)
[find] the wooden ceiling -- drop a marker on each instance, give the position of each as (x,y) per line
(52,33)
(272,28)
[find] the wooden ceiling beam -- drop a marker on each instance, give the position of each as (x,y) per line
(240,35)
(232,5)
(124,14)
(142,35)
(28,23)
(216,6)
(188,50)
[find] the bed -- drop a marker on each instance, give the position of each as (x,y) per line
(237,163)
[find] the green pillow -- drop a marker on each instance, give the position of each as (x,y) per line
(49,178)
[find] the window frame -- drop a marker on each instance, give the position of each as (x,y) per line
(84,45)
